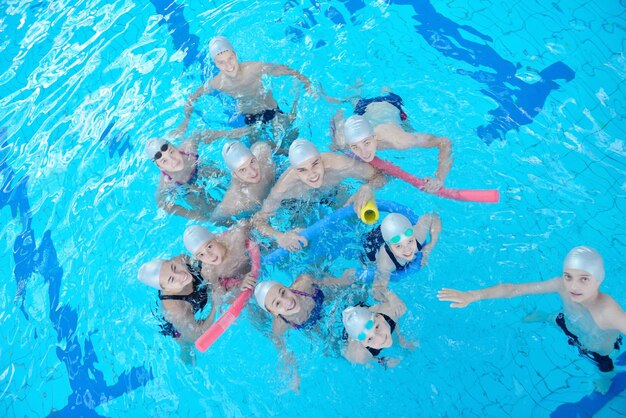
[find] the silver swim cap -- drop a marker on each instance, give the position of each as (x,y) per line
(153,146)
(356,321)
(235,154)
(195,236)
(394,228)
(302,150)
(218,45)
(356,129)
(260,292)
(149,273)
(585,259)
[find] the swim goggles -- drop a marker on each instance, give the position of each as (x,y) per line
(159,154)
(397,238)
(368,326)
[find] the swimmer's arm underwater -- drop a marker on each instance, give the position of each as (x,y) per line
(278,70)
(461,299)
(200,91)
(290,240)
(346,279)
(207,136)
(182,317)
(175,209)
(428,224)
(279,327)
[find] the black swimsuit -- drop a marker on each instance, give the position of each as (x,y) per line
(374,240)
(198,299)
(604,363)
(263,117)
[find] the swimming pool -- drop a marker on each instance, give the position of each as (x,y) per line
(85,84)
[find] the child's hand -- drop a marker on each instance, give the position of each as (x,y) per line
(460,299)
(248,282)
(426,250)
(409,344)
(432,184)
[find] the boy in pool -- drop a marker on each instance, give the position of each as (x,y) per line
(243,81)
(224,260)
(396,243)
(311,171)
(378,124)
(253,175)
(182,173)
(372,329)
(591,320)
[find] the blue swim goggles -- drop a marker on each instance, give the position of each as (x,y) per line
(368,326)
(397,238)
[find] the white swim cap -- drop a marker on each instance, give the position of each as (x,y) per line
(153,146)
(355,321)
(218,45)
(235,154)
(395,225)
(585,259)
(149,273)
(195,236)
(260,292)
(356,129)
(302,150)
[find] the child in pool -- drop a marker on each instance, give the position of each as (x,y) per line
(396,243)
(592,320)
(298,306)
(224,260)
(372,329)
(311,171)
(244,82)
(253,175)
(181,173)
(182,293)
(379,124)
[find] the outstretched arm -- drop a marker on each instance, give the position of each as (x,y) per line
(418,140)
(201,91)
(288,240)
(278,70)
(173,208)
(462,299)
(207,136)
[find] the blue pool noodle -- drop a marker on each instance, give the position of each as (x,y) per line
(342,214)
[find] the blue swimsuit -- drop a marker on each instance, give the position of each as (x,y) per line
(316,313)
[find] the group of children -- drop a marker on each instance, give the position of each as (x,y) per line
(218,266)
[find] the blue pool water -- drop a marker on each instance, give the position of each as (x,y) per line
(532,96)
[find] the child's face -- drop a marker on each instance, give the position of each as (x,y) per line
(365,149)
(249,171)
(380,334)
(580,285)
(228,63)
(405,249)
(174,276)
(311,172)
(211,252)
(171,160)
(282,301)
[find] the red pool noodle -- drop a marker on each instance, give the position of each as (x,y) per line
(228,317)
(483,196)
